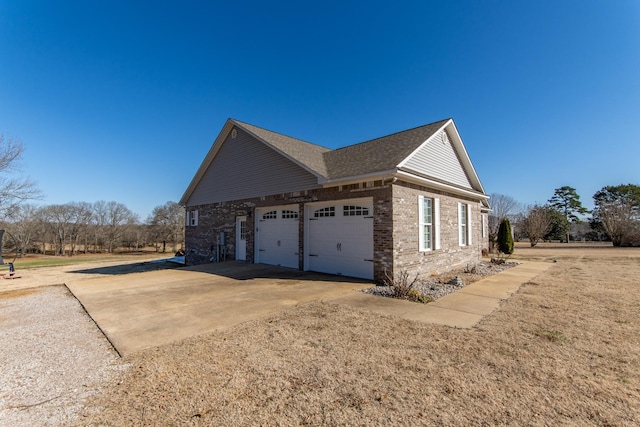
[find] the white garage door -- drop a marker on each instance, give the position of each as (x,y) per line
(277,236)
(340,238)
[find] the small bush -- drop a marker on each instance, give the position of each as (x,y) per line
(400,285)
(415,296)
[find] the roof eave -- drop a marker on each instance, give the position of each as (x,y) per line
(460,149)
(357,178)
(407,177)
(464,157)
(415,179)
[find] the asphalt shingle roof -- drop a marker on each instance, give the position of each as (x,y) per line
(376,155)
(306,153)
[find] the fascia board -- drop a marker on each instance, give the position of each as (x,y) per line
(215,147)
(359,178)
(405,176)
(464,157)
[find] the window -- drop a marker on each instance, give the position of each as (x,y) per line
(324,212)
(464,224)
(270,215)
(428,223)
(289,214)
(243,230)
(192,218)
(355,211)
(483,225)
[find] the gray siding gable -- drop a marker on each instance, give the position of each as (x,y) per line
(437,158)
(245,167)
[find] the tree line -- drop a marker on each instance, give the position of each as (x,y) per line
(74,227)
(615,217)
(81,227)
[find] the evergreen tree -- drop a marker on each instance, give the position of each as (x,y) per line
(566,200)
(505,239)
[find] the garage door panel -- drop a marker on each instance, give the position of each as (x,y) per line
(277,236)
(343,243)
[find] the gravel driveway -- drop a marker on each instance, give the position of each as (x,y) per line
(51,363)
(53,356)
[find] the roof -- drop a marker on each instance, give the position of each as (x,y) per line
(384,155)
(380,154)
(305,153)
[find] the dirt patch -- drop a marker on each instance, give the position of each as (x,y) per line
(564,350)
(17,294)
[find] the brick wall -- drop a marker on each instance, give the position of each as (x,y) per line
(221,217)
(213,219)
(406,254)
(395,227)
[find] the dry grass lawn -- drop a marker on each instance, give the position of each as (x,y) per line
(564,350)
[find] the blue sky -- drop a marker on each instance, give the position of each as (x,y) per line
(122,100)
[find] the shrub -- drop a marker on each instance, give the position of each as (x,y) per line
(416,296)
(400,285)
(505,238)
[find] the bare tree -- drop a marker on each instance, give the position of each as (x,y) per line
(617,212)
(59,217)
(100,215)
(80,219)
(22,226)
(536,223)
(167,223)
(119,217)
(502,206)
(13,190)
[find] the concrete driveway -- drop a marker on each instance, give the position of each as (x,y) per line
(142,310)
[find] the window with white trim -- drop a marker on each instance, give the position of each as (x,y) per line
(483,225)
(192,218)
(464,224)
(428,223)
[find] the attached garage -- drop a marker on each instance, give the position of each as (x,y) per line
(277,236)
(407,202)
(339,237)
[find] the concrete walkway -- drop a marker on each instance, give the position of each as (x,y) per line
(461,309)
(143,310)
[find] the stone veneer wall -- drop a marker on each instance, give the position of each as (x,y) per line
(201,240)
(406,252)
(395,227)
(221,217)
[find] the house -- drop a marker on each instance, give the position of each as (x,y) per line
(410,201)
